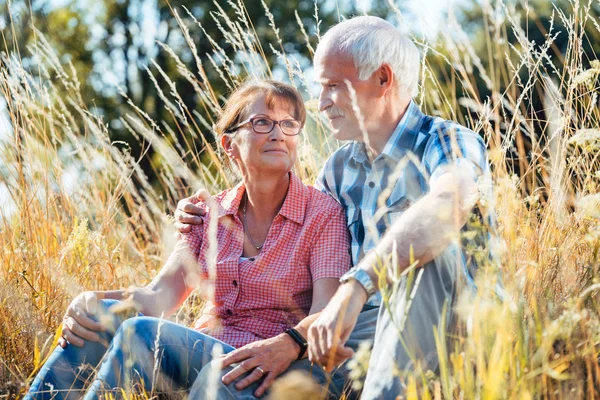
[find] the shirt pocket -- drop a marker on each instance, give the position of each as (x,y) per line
(397,203)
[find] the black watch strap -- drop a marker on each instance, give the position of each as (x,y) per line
(298,338)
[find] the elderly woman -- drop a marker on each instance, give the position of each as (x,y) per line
(281,247)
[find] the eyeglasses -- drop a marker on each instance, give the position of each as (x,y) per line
(289,127)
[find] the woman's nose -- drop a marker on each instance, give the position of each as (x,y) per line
(277,133)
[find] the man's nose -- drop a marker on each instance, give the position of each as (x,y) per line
(324,101)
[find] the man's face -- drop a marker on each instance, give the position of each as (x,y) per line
(332,70)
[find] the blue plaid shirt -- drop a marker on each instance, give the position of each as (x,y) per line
(374,193)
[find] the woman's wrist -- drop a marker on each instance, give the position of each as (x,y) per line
(293,347)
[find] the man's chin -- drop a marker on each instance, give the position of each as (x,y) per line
(343,134)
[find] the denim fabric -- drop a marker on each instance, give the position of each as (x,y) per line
(144,352)
(335,383)
(406,330)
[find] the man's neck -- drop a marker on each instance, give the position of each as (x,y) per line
(383,131)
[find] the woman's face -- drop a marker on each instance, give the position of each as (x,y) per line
(272,152)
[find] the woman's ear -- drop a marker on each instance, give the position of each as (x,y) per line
(227,146)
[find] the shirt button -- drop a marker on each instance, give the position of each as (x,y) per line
(234,283)
(251,259)
(229,312)
(371,184)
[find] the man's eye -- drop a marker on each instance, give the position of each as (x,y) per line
(332,85)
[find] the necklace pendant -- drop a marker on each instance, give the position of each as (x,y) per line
(258,247)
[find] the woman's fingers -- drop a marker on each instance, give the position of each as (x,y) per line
(239,370)
(81,317)
(256,374)
(235,356)
(71,338)
(82,332)
(266,384)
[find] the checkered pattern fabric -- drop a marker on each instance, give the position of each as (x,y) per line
(375,193)
(262,296)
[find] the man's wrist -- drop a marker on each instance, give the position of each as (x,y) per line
(362,278)
(356,291)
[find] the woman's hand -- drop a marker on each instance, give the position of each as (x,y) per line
(187,213)
(77,325)
(265,359)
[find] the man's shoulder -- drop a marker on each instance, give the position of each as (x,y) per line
(341,155)
(440,127)
(332,172)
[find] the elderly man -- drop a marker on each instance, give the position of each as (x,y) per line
(407,182)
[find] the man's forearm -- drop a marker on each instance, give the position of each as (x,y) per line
(422,233)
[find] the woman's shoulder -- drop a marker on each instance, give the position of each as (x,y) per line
(319,201)
(224,200)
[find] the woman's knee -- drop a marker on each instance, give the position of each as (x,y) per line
(139,331)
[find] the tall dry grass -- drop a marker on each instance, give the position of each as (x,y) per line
(78,213)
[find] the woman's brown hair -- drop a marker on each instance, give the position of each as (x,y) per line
(242,98)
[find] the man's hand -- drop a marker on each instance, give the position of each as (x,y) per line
(265,359)
(187,213)
(77,325)
(328,334)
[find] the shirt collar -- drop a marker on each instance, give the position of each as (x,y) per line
(293,208)
(402,138)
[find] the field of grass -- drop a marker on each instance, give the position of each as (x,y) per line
(78,213)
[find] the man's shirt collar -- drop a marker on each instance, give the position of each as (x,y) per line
(403,138)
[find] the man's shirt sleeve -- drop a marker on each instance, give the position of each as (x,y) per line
(456,145)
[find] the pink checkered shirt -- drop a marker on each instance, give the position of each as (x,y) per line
(262,296)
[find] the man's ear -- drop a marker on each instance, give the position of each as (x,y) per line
(226,143)
(385,77)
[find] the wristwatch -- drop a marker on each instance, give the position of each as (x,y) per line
(361,276)
(298,338)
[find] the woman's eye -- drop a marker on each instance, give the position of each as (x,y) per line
(261,122)
(288,124)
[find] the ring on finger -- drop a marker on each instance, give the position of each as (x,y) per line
(259,369)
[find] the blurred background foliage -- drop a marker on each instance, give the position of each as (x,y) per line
(105,122)
(111,44)
(114,44)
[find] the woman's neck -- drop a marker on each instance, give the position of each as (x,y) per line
(264,197)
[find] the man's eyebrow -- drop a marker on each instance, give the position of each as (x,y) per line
(322,80)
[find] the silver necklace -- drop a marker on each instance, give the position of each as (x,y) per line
(246,231)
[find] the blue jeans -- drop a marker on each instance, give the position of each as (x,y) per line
(399,351)
(144,353)
(336,383)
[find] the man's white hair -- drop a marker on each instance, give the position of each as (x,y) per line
(372,42)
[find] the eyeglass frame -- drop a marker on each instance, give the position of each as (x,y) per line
(275,122)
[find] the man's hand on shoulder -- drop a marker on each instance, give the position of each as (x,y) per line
(188,213)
